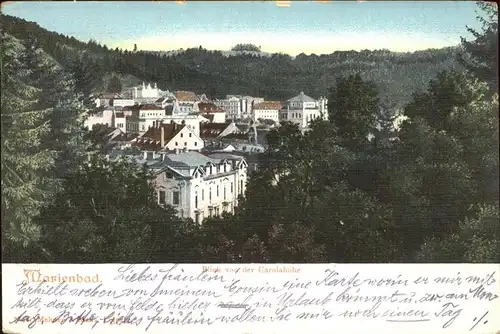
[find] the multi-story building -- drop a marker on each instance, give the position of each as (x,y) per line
(237,106)
(145,92)
(143,117)
(267,110)
(186,102)
(198,186)
(169,136)
(232,105)
(302,109)
(212,112)
(248,103)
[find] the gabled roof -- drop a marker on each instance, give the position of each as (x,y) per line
(151,139)
(182,95)
(212,130)
(301,98)
(268,105)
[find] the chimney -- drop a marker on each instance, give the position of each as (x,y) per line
(162,137)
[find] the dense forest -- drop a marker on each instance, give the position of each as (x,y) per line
(275,77)
(352,189)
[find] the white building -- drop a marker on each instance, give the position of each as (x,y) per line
(186,102)
(169,136)
(122,102)
(106,116)
(198,186)
(212,112)
(145,91)
(145,116)
(267,110)
(233,106)
(302,109)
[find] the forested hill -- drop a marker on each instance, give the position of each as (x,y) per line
(278,76)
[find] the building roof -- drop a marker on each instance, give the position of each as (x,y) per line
(182,95)
(302,98)
(209,108)
(119,115)
(212,129)
(268,105)
(131,108)
(151,139)
(149,107)
(225,156)
(188,159)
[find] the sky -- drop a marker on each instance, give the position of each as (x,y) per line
(301,27)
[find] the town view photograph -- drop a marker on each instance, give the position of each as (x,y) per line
(250,132)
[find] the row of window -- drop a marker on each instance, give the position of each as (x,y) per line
(298,115)
(162,196)
(190,135)
(175,197)
(185,143)
(132,126)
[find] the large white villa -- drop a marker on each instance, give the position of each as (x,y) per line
(302,109)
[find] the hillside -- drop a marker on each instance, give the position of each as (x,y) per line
(275,76)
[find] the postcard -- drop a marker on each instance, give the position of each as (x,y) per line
(250,167)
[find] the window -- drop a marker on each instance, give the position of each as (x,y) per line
(231,187)
(225,168)
(202,194)
(190,134)
(217,191)
(176,144)
(196,201)
(182,135)
(210,211)
(224,193)
(175,197)
(241,187)
(161,197)
(195,143)
(210,194)
(185,144)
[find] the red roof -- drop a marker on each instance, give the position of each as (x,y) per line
(268,105)
(209,108)
(212,130)
(152,138)
(183,95)
(132,108)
